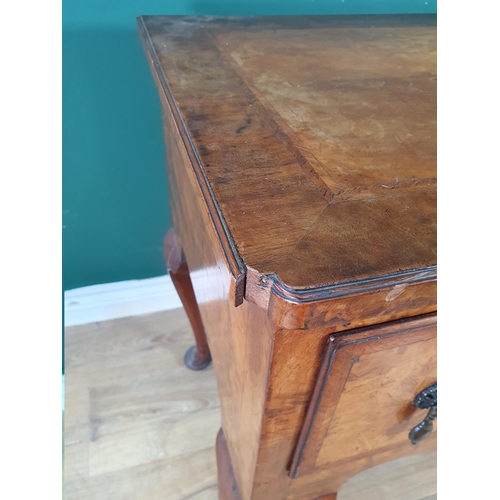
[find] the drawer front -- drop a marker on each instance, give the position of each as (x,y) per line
(362,406)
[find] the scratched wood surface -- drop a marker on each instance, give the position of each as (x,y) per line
(316,137)
(139,424)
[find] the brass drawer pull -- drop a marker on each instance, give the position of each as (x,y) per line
(423,400)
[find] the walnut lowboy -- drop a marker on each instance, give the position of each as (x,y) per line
(301,158)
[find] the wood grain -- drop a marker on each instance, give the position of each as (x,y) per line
(369,378)
(191,196)
(228,488)
(138,424)
(340,309)
(320,161)
(239,338)
(374,69)
(241,341)
(295,373)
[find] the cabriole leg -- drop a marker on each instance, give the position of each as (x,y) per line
(197,357)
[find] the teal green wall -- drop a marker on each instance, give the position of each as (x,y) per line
(115,206)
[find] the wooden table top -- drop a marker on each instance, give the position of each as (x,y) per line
(315,137)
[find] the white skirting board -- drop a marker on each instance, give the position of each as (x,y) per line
(119,300)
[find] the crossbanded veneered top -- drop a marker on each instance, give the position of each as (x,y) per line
(315,135)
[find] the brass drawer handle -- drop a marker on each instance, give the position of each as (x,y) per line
(423,400)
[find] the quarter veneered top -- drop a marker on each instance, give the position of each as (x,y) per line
(316,136)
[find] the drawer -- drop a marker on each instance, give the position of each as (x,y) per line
(362,406)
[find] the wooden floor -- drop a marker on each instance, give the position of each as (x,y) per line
(141,426)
